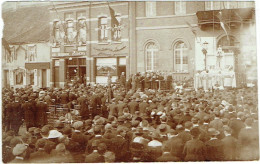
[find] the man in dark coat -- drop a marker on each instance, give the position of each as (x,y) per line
(215,149)
(84,111)
(41,115)
(167,156)
(133,106)
(230,145)
(93,104)
(18,115)
(8,115)
(28,114)
(64,98)
(195,149)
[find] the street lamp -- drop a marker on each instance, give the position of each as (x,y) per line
(204,51)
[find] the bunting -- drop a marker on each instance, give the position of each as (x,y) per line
(6,46)
(114,21)
(222,23)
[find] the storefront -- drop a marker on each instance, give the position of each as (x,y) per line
(37,74)
(113,65)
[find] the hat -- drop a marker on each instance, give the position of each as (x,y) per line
(77,125)
(40,143)
(195,131)
(31,129)
(213,132)
(121,119)
(67,130)
(45,130)
(139,131)
(155,135)
(188,125)
(162,127)
(102,147)
(97,129)
(108,126)
(37,131)
(249,121)
(54,134)
(135,123)
(88,122)
(62,118)
(58,124)
(14,141)
(60,147)
(19,149)
(179,127)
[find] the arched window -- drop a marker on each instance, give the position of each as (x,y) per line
(151,52)
(226,41)
(180,57)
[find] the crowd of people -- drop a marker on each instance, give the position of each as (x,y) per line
(132,121)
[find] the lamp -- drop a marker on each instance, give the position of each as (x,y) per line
(205,51)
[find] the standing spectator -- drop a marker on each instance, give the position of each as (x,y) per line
(41,115)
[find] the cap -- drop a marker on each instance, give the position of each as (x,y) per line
(19,149)
(213,131)
(54,134)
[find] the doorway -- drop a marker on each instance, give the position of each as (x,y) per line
(44,78)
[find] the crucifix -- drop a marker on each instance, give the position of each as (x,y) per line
(219,56)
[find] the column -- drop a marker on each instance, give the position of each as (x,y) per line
(132,59)
(51,75)
(62,73)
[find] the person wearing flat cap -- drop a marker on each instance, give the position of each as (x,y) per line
(248,142)
(78,137)
(154,147)
(41,115)
(185,135)
(215,149)
(133,106)
(40,155)
(230,145)
(19,151)
(94,156)
(195,149)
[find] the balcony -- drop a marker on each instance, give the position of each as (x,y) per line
(229,16)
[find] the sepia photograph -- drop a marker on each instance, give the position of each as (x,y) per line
(129,81)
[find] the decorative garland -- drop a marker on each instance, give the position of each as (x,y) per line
(110,49)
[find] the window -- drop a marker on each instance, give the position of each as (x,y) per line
(81,14)
(13,53)
(81,28)
(103,30)
(68,16)
(180,57)
(151,56)
(245,4)
(116,30)
(31,53)
(19,78)
(180,8)
(150,9)
(212,5)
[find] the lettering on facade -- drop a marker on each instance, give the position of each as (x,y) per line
(111,54)
(82,48)
(55,49)
(118,48)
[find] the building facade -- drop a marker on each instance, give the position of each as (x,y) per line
(28,62)
(151,36)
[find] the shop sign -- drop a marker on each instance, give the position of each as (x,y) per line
(63,54)
(82,48)
(78,53)
(55,49)
(44,65)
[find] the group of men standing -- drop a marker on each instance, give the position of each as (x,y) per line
(137,125)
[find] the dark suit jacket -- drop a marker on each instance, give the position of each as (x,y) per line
(168,157)
(215,150)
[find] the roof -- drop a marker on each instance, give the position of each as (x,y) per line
(27,25)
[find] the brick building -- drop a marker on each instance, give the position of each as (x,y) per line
(151,36)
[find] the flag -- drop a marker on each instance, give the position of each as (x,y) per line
(192,30)
(6,45)
(114,21)
(222,23)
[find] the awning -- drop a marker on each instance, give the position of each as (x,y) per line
(228,15)
(39,65)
